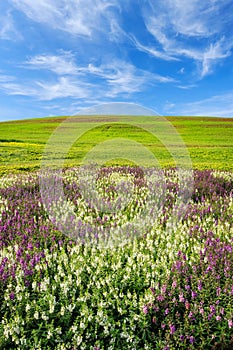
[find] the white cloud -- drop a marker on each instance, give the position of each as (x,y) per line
(77,17)
(46,91)
(123,77)
(14,88)
(43,90)
(152,51)
(6,78)
(182,70)
(64,87)
(109,80)
(216,106)
(191,29)
(8,30)
(60,64)
(215,52)
(187,87)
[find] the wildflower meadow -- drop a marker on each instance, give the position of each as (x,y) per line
(161,286)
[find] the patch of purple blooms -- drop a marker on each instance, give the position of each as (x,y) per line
(196,294)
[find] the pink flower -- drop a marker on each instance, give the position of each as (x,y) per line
(145,309)
(181,298)
(190,314)
(160,298)
(164,288)
(201,310)
(230,323)
(174,284)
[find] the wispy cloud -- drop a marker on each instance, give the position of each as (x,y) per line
(216,106)
(189,29)
(77,17)
(61,64)
(113,79)
(8,29)
(152,51)
(46,91)
(123,77)
(64,87)
(6,78)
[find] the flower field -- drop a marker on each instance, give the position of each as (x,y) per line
(160,287)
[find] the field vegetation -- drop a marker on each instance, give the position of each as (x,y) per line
(209,142)
(141,276)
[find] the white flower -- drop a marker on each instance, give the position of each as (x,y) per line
(49,335)
(62,312)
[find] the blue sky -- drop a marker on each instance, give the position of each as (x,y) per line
(60,56)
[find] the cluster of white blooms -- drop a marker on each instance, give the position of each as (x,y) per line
(226,175)
(3,206)
(12,179)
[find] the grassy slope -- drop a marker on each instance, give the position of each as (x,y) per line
(209,141)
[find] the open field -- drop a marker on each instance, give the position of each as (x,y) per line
(209,142)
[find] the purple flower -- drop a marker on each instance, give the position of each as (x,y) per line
(12,295)
(212,309)
(154,320)
(194,294)
(230,323)
(218,318)
(152,290)
(164,288)
(191,339)
(172,329)
(145,309)
(30,246)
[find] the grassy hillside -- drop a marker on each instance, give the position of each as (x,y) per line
(209,141)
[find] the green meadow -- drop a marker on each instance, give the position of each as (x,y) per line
(208,140)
